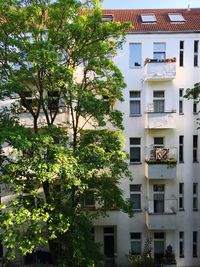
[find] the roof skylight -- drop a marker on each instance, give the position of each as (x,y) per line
(148,18)
(174,17)
(107,18)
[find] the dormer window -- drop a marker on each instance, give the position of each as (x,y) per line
(174,17)
(148,18)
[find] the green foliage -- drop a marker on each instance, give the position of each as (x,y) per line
(141,261)
(193,93)
(169,257)
(57,52)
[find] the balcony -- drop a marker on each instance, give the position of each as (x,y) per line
(161,214)
(160,70)
(163,120)
(161,163)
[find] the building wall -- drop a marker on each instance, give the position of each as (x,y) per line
(185,124)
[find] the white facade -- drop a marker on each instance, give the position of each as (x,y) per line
(174,217)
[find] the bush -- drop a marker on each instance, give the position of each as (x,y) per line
(141,261)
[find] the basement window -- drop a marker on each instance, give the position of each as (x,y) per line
(148,18)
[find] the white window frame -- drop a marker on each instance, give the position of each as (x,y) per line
(156,99)
(181,196)
(135,99)
(181,54)
(181,145)
(195,197)
(136,192)
(136,240)
(195,244)
(196,53)
(195,148)
(132,64)
(176,17)
(137,145)
(159,51)
(181,101)
(181,244)
(148,18)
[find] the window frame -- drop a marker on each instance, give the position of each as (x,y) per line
(132,100)
(196,53)
(181,197)
(132,64)
(195,197)
(181,54)
(181,244)
(158,99)
(181,149)
(136,192)
(136,241)
(159,51)
(136,146)
(181,101)
(195,148)
(195,244)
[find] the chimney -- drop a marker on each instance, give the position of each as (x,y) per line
(188,9)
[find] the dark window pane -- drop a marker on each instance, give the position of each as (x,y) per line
(181,59)
(181,44)
(135,187)
(134,141)
(134,94)
(134,154)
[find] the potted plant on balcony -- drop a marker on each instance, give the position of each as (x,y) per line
(169,258)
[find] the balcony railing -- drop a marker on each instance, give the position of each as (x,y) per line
(160,71)
(161,154)
(161,214)
(161,163)
(160,120)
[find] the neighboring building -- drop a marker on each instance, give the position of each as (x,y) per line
(159,61)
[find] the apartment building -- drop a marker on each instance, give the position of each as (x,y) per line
(159,61)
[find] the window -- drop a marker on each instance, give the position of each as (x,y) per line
(181,196)
(159,101)
(159,246)
(89,198)
(1,250)
(159,51)
(135,150)
(195,244)
(181,54)
(181,148)
(196,52)
(107,17)
(53,100)
(136,243)
(135,108)
(195,196)
(28,100)
(195,148)
(135,196)
(181,244)
(148,18)
(181,100)
(158,198)
(158,142)
(135,55)
(195,103)
(175,17)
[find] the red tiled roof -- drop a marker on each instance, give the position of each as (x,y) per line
(163,24)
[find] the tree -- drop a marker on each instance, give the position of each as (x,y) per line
(55,61)
(194,93)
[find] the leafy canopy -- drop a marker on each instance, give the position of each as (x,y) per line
(59,85)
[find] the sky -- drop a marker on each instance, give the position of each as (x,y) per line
(142,4)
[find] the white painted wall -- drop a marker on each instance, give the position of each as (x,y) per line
(187,172)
